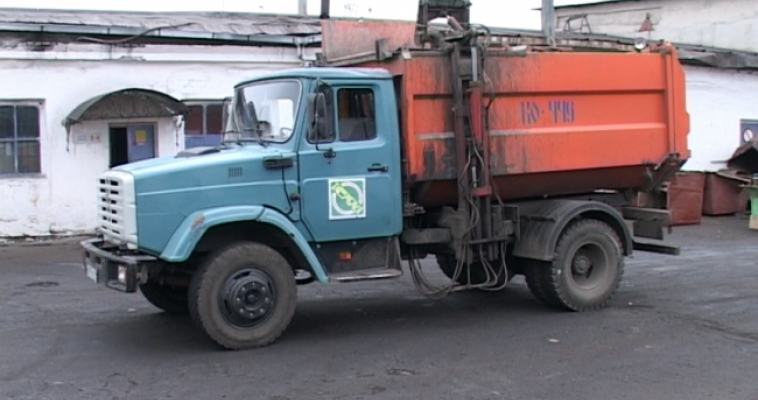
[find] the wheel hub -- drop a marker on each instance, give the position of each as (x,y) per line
(582,264)
(589,267)
(248,298)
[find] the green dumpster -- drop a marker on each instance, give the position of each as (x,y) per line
(752,190)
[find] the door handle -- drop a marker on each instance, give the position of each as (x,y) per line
(378,168)
(278,162)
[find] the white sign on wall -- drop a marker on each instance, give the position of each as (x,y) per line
(87,138)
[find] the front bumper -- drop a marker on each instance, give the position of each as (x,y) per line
(116,268)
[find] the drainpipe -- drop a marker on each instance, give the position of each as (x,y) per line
(300,53)
(325,5)
(302,45)
(302,8)
(548,21)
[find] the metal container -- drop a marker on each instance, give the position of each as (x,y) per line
(685,198)
(557,122)
(723,195)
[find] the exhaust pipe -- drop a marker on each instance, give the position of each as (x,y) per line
(325,6)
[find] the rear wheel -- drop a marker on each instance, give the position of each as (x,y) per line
(171,299)
(586,271)
(244,296)
(533,278)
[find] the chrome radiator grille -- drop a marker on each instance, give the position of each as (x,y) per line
(117,207)
(111,206)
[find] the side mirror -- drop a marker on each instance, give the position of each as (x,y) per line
(319,126)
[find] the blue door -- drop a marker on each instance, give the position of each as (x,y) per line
(350,187)
(141,143)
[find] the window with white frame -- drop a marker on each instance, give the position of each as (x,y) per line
(205,118)
(19,138)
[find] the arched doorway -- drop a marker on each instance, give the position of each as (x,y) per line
(131,118)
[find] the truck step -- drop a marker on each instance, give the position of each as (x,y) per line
(367,275)
(656,246)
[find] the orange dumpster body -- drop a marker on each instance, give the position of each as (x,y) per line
(559,123)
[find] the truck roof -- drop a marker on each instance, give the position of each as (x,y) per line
(323,73)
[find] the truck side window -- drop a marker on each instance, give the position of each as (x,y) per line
(356,115)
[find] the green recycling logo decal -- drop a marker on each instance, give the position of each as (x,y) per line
(347,198)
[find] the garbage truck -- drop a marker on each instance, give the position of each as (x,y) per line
(492,161)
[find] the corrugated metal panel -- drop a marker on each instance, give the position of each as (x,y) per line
(219,23)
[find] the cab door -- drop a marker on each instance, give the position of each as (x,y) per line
(350,181)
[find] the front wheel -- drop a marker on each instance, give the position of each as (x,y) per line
(586,271)
(243,296)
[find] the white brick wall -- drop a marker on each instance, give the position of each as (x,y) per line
(63,199)
(717,100)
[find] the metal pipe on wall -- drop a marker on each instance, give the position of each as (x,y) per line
(325,6)
(302,7)
(548,21)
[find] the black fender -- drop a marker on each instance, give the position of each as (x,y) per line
(542,223)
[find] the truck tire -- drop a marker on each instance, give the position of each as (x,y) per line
(243,296)
(586,271)
(447,265)
(171,299)
(533,280)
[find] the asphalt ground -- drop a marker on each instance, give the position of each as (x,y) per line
(679,328)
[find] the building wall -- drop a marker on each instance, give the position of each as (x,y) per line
(717,100)
(717,23)
(62,198)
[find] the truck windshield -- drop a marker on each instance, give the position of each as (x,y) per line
(263,111)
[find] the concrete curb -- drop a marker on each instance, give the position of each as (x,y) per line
(42,241)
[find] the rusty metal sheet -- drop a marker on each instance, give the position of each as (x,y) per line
(345,38)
